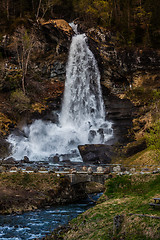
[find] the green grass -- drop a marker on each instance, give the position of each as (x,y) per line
(132,186)
(126,195)
(35,181)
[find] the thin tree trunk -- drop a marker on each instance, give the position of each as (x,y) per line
(27,61)
(21,9)
(23,83)
(23,68)
(7,8)
(18,56)
(128,17)
(33,5)
(115,10)
(37,15)
(44,13)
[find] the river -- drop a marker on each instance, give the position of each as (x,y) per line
(39,223)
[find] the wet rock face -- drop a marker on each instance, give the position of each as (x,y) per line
(4,148)
(122,69)
(120,113)
(55,37)
(9,160)
(58,69)
(118,62)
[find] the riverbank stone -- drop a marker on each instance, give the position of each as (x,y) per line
(90,170)
(99,169)
(25,160)
(9,160)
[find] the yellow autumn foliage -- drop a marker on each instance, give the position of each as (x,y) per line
(38,107)
(4,124)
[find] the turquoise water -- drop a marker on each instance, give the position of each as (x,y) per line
(37,224)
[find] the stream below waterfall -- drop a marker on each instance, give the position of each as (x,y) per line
(38,224)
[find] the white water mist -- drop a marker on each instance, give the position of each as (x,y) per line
(82,118)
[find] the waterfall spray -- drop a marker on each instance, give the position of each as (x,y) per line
(82,118)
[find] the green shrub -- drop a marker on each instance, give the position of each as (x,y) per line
(20,101)
(156,94)
(141,95)
(118,185)
(153,136)
(12,81)
(132,185)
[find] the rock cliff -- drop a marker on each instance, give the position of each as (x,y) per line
(122,71)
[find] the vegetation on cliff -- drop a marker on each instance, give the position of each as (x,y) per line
(33,49)
(146,127)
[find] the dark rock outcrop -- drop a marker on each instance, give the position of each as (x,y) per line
(120,112)
(134,147)
(4,148)
(58,31)
(9,160)
(96,153)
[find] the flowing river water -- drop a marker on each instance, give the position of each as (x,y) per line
(37,224)
(82,120)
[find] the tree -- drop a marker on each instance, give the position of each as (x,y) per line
(102,10)
(5,5)
(25,43)
(143,18)
(44,6)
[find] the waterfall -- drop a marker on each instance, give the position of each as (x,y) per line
(82,102)
(82,118)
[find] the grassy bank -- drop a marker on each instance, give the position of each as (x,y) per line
(149,158)
(125,196)
(21,192)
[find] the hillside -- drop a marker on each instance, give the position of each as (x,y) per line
(124,37)
(123,212)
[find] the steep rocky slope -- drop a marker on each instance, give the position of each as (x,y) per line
(129,78)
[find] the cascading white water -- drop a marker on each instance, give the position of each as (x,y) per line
(82,118)
(83,102)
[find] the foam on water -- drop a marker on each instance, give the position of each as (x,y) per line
(35,225)
(82,118)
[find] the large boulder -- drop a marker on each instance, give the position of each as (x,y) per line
(60,24)
(58,31)
(96,153)
(9,161)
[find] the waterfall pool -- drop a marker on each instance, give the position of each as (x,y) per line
(38,224)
